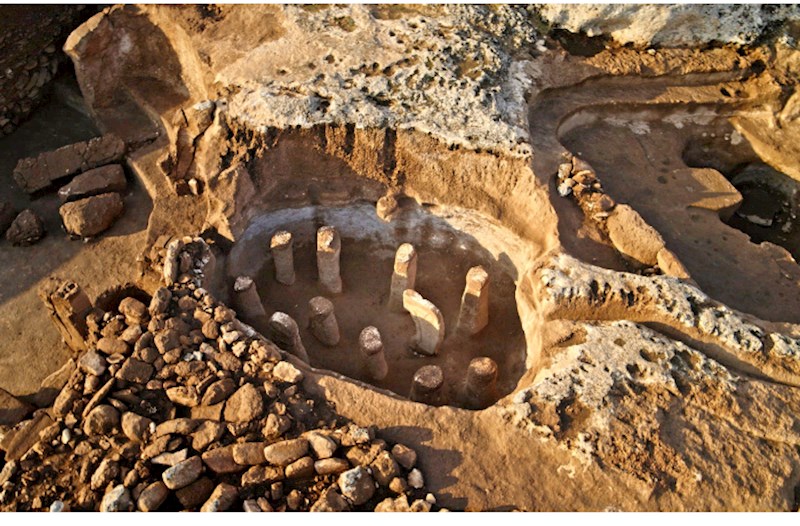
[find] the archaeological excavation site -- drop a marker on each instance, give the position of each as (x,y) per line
(400,258)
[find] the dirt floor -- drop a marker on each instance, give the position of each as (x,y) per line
(97,264)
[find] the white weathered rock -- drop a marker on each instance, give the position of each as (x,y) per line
(668,24)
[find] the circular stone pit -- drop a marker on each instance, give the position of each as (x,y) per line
(448,242)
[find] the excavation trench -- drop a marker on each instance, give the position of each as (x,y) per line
(448,243)
(677,150)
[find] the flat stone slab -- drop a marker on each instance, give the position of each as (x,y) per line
(110,178)
(34,174)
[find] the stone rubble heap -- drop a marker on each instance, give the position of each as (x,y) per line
(179,405)
(627,231)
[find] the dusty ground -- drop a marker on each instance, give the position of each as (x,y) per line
(100,263)
(643,412)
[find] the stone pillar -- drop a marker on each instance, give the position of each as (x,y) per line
(209,269)
(247,299)
(371,346)
(480,388)
(323,321)
(68,306)
(404,275)
(426,386)
(172,261)
(386,207)
(474,313)
(329,247)
(281,247)
(285,333)
(428,322)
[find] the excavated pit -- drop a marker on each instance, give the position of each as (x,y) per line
(448,243)
(770,201)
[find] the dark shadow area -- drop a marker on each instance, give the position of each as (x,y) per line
(439,463)
(771,199)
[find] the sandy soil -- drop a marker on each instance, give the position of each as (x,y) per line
(96,265)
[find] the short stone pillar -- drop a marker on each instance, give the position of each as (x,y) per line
(247,299)
(480,388)
(329,247)
(281,247)
(404,275)
(322,320)
(428,322)
(172,261)
(386,207)
(426,386)
(474,313)
(371,346)
(285,333)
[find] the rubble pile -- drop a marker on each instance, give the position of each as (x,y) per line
(638,242)
(177,404)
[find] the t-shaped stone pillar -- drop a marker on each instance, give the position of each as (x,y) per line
(404,275)
(371,346)
(474,313)
(428,322)
(247,299)
(285,333)
(323,321)
(481,386)
(329,247)
(281,247)
(426,386)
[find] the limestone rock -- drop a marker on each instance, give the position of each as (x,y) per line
(220,460)
(633,237)
(285,452)
(117,499)
(673,25)
(135,371)
(37,173)
(219,391)
(135,427)
(195,494)
(330,500)
(153,496)
(322,446)
(92,363)
(245,405)
(404,455)
(331,466)
(91,216)
(671,265)
(183,473)
(110,178)
(221,499)
(286,372)
(26,229)
(249,453)
(357,485)
(101,420)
